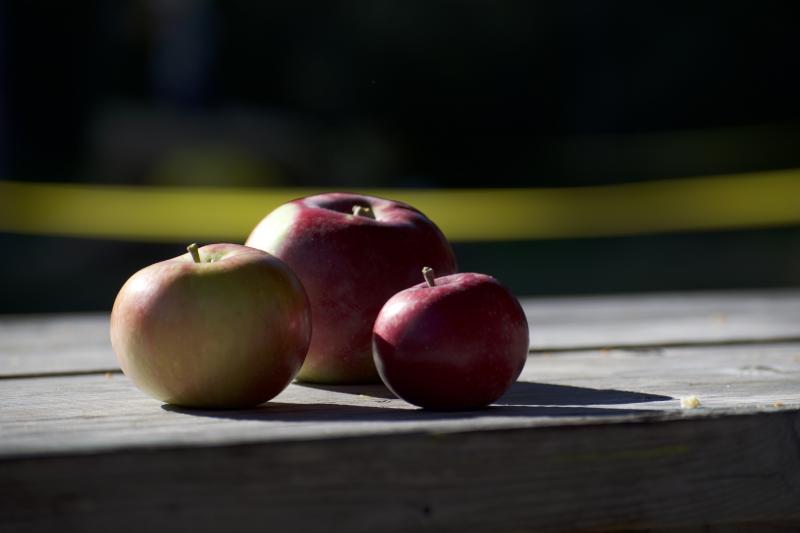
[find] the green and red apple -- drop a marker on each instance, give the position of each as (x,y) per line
(223,326)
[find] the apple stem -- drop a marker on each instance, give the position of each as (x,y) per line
(363,211)
(428,274)
(195,253)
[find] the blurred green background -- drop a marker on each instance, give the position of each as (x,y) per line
(245,97)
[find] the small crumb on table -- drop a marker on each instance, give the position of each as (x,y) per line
(690,402)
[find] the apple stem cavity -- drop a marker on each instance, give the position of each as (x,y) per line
(363,211)
(429,275)
(194,252)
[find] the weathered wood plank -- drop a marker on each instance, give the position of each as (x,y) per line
(621,476)
(79,343)
(663,319)
(96,413)
(586,440)
(55,343)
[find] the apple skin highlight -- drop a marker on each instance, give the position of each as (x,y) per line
(459,344)
(350,265)
(230,331)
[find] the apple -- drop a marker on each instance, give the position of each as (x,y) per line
(454,342)
(223,326)
(352,253)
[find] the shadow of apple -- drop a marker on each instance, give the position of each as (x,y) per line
(524,399)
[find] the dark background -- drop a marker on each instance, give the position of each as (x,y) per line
(352,94)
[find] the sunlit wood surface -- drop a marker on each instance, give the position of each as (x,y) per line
(592,437)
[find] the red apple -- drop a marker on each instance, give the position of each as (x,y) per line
(350,264)
(456,342)
(223,326)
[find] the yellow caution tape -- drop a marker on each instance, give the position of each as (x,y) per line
(755,200)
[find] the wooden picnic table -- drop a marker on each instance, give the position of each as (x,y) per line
(592,437)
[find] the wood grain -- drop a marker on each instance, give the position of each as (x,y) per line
(623,476)
(567,323)
(589,439)
(89,414)
(69,344)
(38,344)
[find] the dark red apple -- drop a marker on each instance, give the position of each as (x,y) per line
(227,326)
(352,253)
(456,342)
